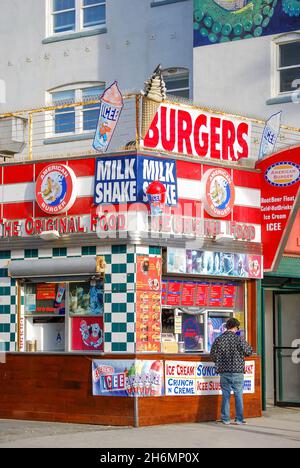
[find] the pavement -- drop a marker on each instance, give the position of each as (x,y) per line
(277,428)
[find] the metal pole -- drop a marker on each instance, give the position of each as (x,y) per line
(30,122)
(136,411)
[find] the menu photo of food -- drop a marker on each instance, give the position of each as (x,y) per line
(148,327)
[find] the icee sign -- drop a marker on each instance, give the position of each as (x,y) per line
(125,179)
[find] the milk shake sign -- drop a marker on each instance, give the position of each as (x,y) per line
(126,179)
(192,132)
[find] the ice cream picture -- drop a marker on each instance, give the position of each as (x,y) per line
(111,105)
(154,94)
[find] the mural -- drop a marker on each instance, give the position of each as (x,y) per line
(218,21)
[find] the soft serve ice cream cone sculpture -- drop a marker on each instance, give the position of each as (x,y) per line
(154,94)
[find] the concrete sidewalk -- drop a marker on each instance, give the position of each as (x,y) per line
(277,428)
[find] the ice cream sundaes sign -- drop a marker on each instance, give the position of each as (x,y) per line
(111,105)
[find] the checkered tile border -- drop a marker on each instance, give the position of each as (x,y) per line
(119,292)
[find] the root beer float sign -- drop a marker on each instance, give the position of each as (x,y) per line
(192,132)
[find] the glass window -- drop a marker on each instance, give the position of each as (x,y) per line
(289,66)
(86,298)
(91,111)
(80,118)
(177,82)
(65,117)
(64,15)
(75,15)
(194,313)
(94,13)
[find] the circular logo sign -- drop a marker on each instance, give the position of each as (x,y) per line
(219,193)
(283,174)
(55,189)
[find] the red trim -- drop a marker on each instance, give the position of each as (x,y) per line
(82,205)
(18,174)
(18,210)
(243,214)
(188,170)
(247,179)
(83,167)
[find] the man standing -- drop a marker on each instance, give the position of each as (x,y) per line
(228,352)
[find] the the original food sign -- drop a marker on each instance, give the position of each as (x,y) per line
(190,131)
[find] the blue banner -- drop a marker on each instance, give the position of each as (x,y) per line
(125,179)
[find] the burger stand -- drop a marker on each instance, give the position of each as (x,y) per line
(120,270)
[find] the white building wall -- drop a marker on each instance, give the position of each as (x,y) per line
(238,77)
(138,37)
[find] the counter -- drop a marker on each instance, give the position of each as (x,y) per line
(58,387)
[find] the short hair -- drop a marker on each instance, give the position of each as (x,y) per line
(232,323)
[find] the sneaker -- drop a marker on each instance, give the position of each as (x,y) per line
(240,423)
(226,423)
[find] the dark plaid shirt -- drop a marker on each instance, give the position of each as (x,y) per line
(228,353)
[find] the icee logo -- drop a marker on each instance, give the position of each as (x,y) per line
(296,352)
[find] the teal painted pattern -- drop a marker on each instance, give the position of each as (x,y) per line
(8,310)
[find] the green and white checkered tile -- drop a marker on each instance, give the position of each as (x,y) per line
(8,330)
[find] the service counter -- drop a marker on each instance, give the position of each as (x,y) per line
(58,387)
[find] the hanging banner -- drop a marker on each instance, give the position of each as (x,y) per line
(111,105)
(128,378)
(270,135)
(280,175)
(200,378)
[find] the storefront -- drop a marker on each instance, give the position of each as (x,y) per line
(112,294)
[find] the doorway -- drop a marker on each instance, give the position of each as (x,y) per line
(286,334)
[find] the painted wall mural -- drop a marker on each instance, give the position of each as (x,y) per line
(217,21)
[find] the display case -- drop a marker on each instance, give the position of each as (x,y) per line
(63,316)
(194,313)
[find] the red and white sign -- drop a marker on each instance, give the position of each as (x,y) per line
(279,203)
(21,216)
(219,193)
(56,189)
(190,131)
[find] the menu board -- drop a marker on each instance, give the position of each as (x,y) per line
(229,295)
(202,294)
(46,291)
(148,304)
(174,293)
(177,293)
(188,294)
(216,295)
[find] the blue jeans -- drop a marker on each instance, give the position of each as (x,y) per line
(235,383)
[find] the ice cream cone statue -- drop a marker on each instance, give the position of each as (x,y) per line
(154,94)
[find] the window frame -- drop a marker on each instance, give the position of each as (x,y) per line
(277,69)
(180,71)
(79,110)
(79,18)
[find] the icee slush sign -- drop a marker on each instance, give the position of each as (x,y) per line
(193,132)
(127,378)
(125,179)
(200,378)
